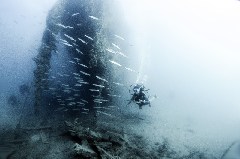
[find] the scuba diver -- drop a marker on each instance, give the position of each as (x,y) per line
(139,96)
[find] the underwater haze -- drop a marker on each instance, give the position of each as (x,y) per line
(185,52)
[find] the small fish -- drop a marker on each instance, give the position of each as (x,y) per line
(101,112)
(85,109)
(78,85)
(84,112)
(119,37)
(72,62)
(98,85)
(70,98)
(116,46)
(78,78)
(95,18)
(101,79)
(69,37)
(53,77)
(83,65)
(66,27)
(87,74)
(114,62)
(65,85)
(60,74)
(111,51)
(76,74)
(75,14)
(81,103)
(84,42)
(98,107)
(82,82)
(64,41)
(118,84)
(113,95)
(88,37)
(97,102)
(76,59)
(129,69)
(103,100)
(122,54)
(67,91)
(67,44)
(94,90)
(79,51)
(75,44)
(84,100)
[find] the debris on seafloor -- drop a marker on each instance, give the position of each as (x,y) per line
(96,143)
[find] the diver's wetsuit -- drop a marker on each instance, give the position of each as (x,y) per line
(140,98)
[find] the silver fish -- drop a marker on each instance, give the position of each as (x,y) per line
(122,54)
(75,44)
(119,37)
(87,74)
(76,59)
(98,85)
(101,79)
(84,42)
(129,69)
(94,90)
(115,63)
(64,41)
(79,51)
(77,85)
(69,37)
(103,100)
(97,102)
(83,65)
(84,100)
(66,27)
(67,44)
(113,95)
(72,62)
(85,109)
(116,46)
(101,112)
(76,74)
(111,51)
(95,18)
(88,37)
(82,82)
(75,14)
(118,84)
